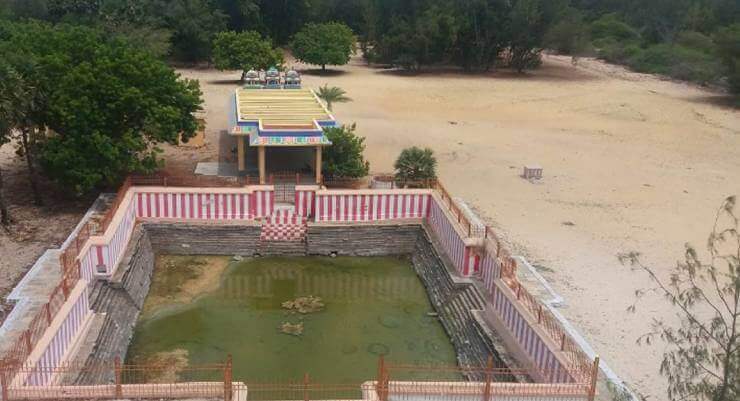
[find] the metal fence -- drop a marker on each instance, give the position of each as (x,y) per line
(393,382)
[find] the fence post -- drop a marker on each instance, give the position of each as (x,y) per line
(489,377)
(4,383)
(117,372)
(305,387)
(594,375)
(562,342)
(228,390)
(27,338)
(381,388)
(539,314)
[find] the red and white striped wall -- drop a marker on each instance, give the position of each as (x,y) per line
(451,241)
(529,340)
(55,351)
(354,206)
(262,203)
(490,270)
(304,202)
(193,205)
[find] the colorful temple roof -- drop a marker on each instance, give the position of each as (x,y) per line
(280,117)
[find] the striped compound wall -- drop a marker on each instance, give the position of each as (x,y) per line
(450,239)
(305,200)
(351,206)
(204,206)
(104,252)
(67,325)
(529,340)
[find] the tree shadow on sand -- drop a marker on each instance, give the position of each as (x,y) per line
(726,101)
(229,82)
(549,73)
(323,73)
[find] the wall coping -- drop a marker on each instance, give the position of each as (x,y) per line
(399,191)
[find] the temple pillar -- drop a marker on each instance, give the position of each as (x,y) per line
(261,163)
(318,164)
(242,163)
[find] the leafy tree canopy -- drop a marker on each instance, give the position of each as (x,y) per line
(108,103)
(344,157)
(728,47)
(244,50)
(324,44)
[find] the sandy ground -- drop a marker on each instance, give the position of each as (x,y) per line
(636,163)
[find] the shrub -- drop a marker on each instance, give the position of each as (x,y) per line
(416,164)
(610,26)
(677,61)
(696,41)
(344,157)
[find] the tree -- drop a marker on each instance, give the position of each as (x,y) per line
(728,45)
(108,103)
(194,24)
(530,20)
(332,95)
(416,164)
(324,44)
(569,35)
(19,120)
(344,157)
(703,357)
(244,50)
(481,33)
(7,86)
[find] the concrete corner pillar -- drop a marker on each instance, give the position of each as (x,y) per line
(261,162)
(318,164)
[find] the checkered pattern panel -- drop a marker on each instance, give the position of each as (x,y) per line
(283,225)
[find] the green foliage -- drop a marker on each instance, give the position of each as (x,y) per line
(676,61)
(530,20)
(108,103)
(332,95)
(416,164)
(194,25)
(481,33)
(700,360)
(324,44)
(696,40)
(344,157)
(611,27)
(427,40)
(244,50)
(728,47)
(569,35)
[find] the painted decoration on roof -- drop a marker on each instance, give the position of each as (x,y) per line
(256,140)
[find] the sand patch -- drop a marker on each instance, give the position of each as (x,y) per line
(179,280)
(165,366)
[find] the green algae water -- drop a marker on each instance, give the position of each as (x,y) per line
(372,306)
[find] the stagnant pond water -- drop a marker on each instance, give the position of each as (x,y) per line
(200,309)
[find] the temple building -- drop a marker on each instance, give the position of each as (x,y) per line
(279,131)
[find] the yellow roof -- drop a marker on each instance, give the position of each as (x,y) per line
(280,106)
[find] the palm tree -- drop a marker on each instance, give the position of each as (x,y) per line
(416,164)
(332,95)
